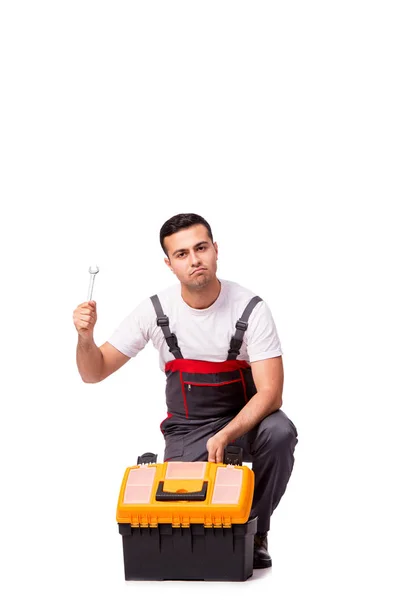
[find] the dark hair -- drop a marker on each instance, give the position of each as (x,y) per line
(182,221)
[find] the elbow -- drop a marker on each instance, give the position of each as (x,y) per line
(276,404)
(273,400)
(278,401)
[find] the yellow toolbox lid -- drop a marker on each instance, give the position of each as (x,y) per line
(181,493)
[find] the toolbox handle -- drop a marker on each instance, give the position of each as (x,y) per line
(161,495)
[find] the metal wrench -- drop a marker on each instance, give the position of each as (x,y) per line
(93,272)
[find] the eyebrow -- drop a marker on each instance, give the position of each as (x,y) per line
(184,249)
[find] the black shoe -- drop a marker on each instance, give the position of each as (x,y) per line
(262,559)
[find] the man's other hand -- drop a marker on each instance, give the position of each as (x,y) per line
(216,446)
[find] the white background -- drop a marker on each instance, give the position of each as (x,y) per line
(277,122)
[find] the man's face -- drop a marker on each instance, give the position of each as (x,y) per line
(191,249)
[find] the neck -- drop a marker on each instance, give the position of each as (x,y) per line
(203,297)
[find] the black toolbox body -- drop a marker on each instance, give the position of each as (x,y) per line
(189,553)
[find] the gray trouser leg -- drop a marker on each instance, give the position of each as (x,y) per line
(269,447)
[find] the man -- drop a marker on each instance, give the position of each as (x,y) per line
(220,350)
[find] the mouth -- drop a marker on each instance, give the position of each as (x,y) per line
(198,270)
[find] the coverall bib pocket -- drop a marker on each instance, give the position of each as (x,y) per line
(214,399)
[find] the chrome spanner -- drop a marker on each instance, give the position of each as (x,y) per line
(93,272)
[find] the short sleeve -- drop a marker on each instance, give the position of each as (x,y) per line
(132,334)
(262,337)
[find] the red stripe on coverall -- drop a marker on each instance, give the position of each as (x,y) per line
(184,395)
(244,386)
(202,366)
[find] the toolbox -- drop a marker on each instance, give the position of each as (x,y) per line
(187,520)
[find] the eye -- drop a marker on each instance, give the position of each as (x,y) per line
(181,254)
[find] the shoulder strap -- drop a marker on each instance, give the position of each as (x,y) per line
(241,326)
(163,322)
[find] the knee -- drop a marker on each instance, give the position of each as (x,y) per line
(277,431)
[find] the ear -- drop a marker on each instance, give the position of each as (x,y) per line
(216,248)
(168,263)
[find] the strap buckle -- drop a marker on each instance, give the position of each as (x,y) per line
(242,325)
(163,321)
(174,340)
(235,347)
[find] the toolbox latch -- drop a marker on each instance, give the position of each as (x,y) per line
(233,455)
(147,458)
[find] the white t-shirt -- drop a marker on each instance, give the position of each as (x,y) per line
(203,334)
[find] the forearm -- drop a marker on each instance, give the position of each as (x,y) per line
(89,360)
(257,408)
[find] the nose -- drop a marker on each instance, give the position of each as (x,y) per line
(194,259)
